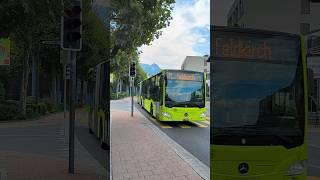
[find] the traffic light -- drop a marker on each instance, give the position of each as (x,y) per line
(72,26)
(132,70)
(68,71)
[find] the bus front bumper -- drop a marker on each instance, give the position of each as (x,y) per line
(182,114)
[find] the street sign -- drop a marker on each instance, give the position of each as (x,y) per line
(67,71)
(5,51)
(51,42)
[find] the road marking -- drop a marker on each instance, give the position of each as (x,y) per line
(198,124)
(184,126)
(313,178)
(206,122)
(314,145)
(314,166)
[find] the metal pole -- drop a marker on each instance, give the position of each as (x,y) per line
(72,94)
(65,92)
(132,97)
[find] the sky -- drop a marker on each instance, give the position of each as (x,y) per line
(187,35)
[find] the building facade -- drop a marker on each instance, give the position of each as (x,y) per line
(198,64)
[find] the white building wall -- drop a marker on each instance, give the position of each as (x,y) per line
(198,64)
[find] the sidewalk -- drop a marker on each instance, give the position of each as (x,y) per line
(21,164)
(138,153)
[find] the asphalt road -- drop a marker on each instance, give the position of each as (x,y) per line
(50,139)
(42,140)
(193,138)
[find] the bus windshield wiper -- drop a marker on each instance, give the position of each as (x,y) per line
(251,130)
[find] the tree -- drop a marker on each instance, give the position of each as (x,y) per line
(135,23)
(31,20)
(95,42)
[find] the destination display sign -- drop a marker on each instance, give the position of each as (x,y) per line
(184,76)
(255,47)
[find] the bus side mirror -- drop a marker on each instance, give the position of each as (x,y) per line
(310,82)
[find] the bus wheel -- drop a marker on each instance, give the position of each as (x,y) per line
(151,110)
(102,143)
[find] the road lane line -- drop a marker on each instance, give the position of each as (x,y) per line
(206,122)
(314,145)
(184,126)
(313,178)
(198,124)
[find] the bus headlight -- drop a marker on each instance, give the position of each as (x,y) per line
(203,115)
(166,114)
(297,168)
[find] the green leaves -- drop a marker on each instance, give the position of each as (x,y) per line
(135,23)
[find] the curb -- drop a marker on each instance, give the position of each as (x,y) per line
(110,153)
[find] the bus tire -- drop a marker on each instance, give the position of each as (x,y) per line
(103,145)
(90,131)
(151,110)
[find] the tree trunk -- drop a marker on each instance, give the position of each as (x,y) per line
(24,82)
(54,83)
(81,93)
(118,87)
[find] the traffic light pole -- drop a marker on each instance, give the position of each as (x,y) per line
(132,74)
(132,83)
(64,92)
(72,96)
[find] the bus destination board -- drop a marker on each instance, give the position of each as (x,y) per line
(245,47)
(184,76)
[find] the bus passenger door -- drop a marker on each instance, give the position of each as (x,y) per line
(160,94)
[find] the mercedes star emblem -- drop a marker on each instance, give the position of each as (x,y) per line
(243,168)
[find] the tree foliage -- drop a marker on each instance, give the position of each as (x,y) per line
(137,22)
(25,22)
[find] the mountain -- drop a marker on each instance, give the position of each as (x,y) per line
(150,70)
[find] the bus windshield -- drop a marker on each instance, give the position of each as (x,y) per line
(259,97)
(182,92)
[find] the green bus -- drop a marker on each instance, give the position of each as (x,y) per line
(258,105)
(174,95)
(99,104)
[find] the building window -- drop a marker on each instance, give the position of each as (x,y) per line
(305,7)
(304,28)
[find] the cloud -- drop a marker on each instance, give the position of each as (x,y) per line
(187,35)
